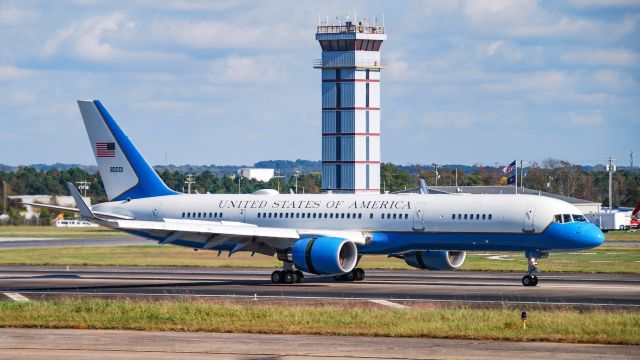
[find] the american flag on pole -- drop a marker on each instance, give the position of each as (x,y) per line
(509,168)
(106,149)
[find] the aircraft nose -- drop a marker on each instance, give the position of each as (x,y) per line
(592,236)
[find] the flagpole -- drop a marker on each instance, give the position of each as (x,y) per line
(516,175)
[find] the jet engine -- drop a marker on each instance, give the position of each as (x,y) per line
(435,259)
(324,255)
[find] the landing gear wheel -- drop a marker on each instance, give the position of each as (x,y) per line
(300,276)
(529,280)
(351,276)
(342,277)
(276,277)
(289,277)
(359,274)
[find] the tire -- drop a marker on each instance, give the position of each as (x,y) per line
(339,278)
(276,277)
(527,280)
(300,276)
(359,274)
(351,276)
(535,280)
(289,277)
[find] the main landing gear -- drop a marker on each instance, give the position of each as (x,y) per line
(531,279)
(287,276)
(356,274)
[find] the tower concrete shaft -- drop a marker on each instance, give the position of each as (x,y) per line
(350,67)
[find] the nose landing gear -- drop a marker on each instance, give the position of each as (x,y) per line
(531,279)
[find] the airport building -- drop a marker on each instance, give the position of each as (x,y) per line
(350,67)
(259,174)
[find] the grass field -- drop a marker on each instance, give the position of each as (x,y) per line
(57,232)
(622,235)
(604,259)
(562,325)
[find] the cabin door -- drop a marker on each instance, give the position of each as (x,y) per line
(529,217)
(418,217)
(155,212)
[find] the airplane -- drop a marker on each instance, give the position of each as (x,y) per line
(323,234)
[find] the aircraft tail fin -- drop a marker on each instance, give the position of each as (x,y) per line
(124,171)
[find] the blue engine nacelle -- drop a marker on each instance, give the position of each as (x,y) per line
(324,255)
(435,259)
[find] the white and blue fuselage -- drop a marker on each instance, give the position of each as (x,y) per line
(392,223)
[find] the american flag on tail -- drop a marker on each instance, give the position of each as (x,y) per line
(106,149)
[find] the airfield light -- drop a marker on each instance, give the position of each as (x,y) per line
(523,317)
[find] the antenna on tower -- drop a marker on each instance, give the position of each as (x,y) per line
(631,159)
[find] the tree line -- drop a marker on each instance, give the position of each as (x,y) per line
(551,175)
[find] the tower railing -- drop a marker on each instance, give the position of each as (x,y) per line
(352,28)
(349,63)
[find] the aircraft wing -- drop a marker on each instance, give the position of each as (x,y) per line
(66,208)
(209,234)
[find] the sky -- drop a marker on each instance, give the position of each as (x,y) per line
(232,82)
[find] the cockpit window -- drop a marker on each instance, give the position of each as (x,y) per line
(557,218)
(566,218)
(580,218)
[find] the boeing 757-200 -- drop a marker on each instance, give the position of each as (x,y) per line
(323,234)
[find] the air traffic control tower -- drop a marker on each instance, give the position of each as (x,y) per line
(350,106)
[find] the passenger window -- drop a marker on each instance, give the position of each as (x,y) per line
(297,215)
(459,216)
(221,214)
(484,216)
(566,218)
(465,216)
(490,216)
(406,216)
(359,216)
(188,214)
(453,216)
(371,216)
(394,216)
(342,216)
(348,216)
(183,214)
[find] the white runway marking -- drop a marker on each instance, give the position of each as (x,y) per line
(390,304)
(17,297)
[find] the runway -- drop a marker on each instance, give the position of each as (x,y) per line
(112,344)
(404,287)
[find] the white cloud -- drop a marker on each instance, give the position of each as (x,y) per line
(211,34)
(258,69)
(604,3)
(586,118)
(13,73)
(12,16)
(603,57)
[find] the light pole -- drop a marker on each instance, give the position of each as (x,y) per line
(296,174)
(189,180)
(522,173)
(611,167)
